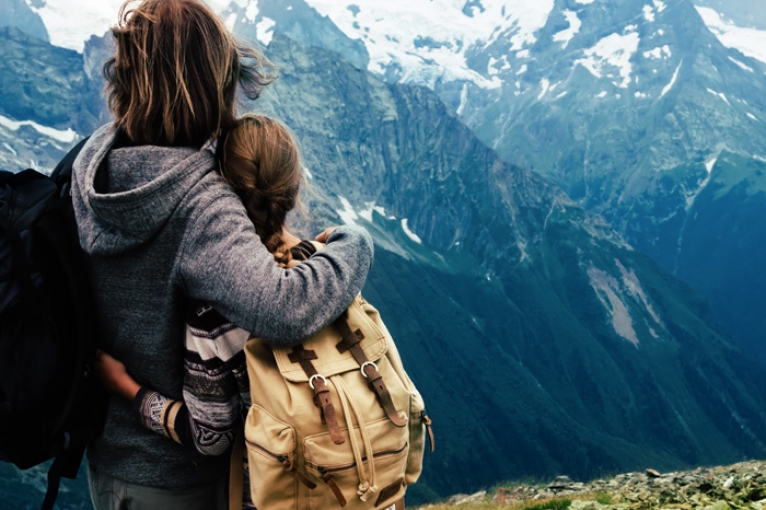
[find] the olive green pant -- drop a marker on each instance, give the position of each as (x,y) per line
(108,493)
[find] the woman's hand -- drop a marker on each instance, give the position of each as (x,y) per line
(115,377)
(322,238)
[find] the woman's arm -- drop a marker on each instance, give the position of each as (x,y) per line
(115,377)
(219,264)
(215,386)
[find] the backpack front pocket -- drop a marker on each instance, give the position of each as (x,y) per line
(271,456)
(342,482)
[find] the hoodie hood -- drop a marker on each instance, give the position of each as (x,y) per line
(139,189)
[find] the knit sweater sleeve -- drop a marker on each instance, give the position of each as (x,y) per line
(224,263)
(215,387)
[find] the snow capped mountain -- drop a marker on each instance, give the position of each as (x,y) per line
(422,42)
(750,41)
(72,22)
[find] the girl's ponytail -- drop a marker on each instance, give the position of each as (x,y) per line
(260,159)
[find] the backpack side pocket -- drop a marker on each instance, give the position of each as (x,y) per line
(270,447)
(420,432)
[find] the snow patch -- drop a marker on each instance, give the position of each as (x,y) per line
(752,116)
(749,41)
(264,30)
(412,235)
(10,149)
(367,213)
(719,94)
(601,94)
(545,84)
(67,136)
(305,171)
(614,50)
(649,13)
(251,12)
(691,195)
(659,52)
(669,86)
(463,99)
(382,212)
(347,214)
(710,164)
(522,70)
(741,65)
(574,27)
(584,2)
(659,5)
(641,95)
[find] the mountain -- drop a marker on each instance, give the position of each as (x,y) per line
(17,13)
(626,105)
(541,342)
(523,317)
(743,13)
(48,102)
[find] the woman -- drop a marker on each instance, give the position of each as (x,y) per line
(162,228)
(260,159)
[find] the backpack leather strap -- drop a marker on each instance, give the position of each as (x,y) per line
(350,343)
(322,397)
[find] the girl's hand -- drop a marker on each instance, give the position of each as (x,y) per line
(290,239)
(114,376)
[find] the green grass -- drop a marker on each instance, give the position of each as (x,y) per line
(553,504)
(604,498)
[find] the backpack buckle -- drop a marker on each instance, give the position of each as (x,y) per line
(364,365)
(316,376)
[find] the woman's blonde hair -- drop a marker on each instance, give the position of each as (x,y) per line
(260,158)
(174,76)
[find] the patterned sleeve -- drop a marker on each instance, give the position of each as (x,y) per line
(215,386)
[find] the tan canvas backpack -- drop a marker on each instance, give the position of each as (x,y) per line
(334,422)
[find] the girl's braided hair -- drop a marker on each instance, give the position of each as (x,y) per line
(260,159)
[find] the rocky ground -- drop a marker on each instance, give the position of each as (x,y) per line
(738,487)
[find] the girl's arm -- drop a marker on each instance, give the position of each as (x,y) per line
(215,387)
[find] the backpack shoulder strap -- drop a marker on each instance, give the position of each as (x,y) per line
(62,174)
(67,461)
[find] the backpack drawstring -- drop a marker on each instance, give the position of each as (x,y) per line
(367,486)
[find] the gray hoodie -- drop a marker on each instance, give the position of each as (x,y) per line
(161,226)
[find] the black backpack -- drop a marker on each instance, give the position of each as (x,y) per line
(51,405)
